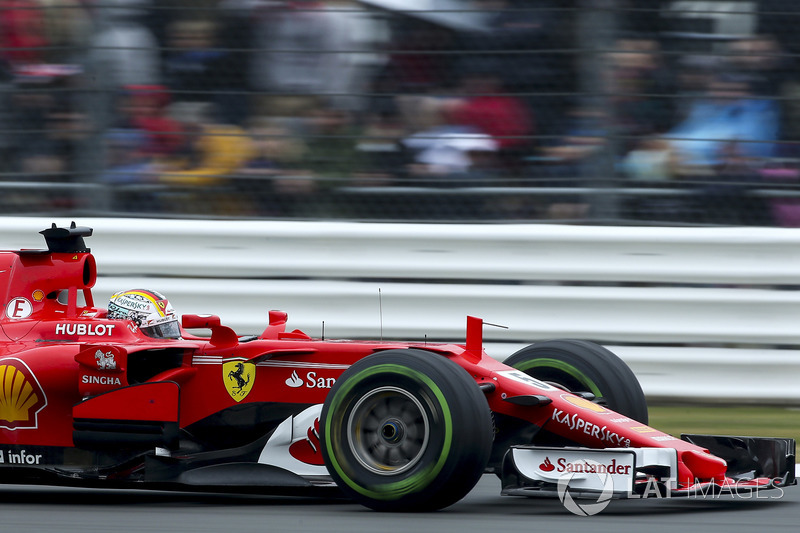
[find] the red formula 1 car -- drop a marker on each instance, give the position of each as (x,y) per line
(92,396)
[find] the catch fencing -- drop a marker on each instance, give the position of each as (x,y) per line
(602,111)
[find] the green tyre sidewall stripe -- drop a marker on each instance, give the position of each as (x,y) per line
(564,367)
(585,366)
(416,481)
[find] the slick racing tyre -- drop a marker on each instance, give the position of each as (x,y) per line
(582,366)
(406,430)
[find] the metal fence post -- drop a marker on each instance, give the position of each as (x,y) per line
(596,31)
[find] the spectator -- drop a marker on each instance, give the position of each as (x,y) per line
(194,65)
(417,66)
(505,118)
(211,152)
(6,117)
(443,153)
(381,156)
(200,173)
(524,48)
(124,50)
(304,56)
(641,87)
(274,150)
(22,32)
(729,112)
(761,59)
(785,211)
(56,131)
(276,178)
(128,165)
(67,26)
(509,27)
(724,197)
(126,158)
(572,159)
(144,108)
(30,102)
(331,140)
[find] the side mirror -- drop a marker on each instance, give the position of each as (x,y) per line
(200,321)
(221,336)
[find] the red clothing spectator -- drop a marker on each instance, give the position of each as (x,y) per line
(21,31)
(145,109)
(504,118)
(490,110)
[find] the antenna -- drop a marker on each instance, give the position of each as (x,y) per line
(323,330)
(380,311)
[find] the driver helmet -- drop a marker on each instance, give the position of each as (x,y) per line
(149,310)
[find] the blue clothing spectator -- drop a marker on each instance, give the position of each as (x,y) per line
(731,113)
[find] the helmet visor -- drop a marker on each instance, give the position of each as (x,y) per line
(167,330)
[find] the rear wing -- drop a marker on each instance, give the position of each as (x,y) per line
(63,240)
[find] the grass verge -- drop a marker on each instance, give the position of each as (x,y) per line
(727,420)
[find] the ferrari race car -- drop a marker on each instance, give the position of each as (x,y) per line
(97,397)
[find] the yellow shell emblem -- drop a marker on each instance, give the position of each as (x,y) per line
(586,404)
(239,378)
(21,396)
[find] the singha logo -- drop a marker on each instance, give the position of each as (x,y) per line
(105,361)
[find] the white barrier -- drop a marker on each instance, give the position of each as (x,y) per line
(627,287)
(519,252)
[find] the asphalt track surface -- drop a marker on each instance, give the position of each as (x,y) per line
(46,509)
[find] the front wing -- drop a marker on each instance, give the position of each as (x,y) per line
(754,464)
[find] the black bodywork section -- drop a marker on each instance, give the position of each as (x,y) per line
(752,457)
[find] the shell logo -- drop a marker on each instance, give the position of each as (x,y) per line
(21,396)
(586,404)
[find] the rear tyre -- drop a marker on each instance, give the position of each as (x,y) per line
(406,430)
(583,366)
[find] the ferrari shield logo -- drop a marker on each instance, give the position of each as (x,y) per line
(239,378)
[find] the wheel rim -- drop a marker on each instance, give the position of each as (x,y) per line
(388,431)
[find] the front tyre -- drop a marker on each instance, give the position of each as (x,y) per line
(406,430)
(583,366)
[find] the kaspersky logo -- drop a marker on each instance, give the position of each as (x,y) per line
(21,396)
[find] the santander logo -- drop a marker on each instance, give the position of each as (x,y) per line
(581,466)
(308,449)
(294,380)
(547,466)
(311,381)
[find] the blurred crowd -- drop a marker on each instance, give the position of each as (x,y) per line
(267,103)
